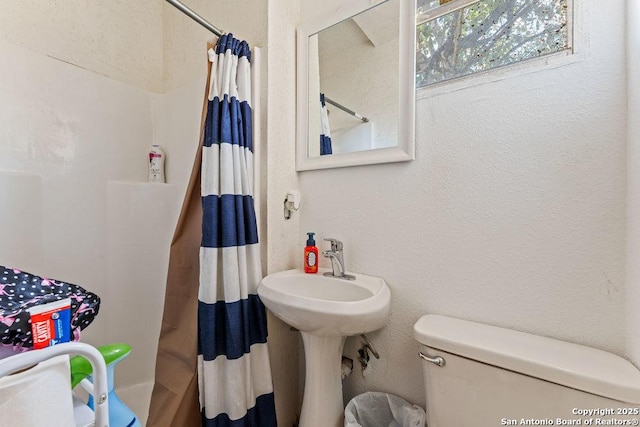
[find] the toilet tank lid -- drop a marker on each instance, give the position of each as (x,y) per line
(571,365)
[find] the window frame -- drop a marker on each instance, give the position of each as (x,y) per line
(574,53)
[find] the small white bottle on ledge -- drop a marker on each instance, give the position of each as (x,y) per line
(156,164)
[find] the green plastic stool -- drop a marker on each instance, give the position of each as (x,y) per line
(119,414)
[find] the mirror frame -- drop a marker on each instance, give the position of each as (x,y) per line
(405,150)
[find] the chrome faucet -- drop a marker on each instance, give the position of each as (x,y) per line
(337,260)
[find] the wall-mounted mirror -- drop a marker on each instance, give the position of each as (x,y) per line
(356,85)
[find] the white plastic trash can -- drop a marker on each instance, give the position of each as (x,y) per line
(374,409)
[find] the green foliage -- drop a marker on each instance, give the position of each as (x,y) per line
(489,34)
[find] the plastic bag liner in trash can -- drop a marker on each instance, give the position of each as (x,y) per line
(374,409)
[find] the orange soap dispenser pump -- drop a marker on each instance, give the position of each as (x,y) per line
(311,255)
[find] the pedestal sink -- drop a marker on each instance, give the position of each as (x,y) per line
(326,310)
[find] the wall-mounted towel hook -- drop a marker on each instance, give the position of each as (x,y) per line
(291,203)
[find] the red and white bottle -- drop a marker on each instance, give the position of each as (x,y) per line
(311,255)
(156,164)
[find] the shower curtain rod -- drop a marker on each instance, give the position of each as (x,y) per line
(345,109)
(199,19)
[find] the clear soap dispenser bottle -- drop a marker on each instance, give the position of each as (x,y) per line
(311,255)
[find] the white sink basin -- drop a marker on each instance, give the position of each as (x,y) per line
(326,310)
(327,306)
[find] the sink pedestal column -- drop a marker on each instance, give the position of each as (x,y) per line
(322,402)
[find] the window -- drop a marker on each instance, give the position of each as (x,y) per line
(456,38)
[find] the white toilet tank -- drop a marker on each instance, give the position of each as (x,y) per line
(495,377)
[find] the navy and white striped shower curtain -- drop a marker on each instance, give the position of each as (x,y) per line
(234,374)
(325,132)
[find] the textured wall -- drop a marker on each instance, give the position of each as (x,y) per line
(513,212)
(184,39)
(633,182)
(284,245)
(119,39)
